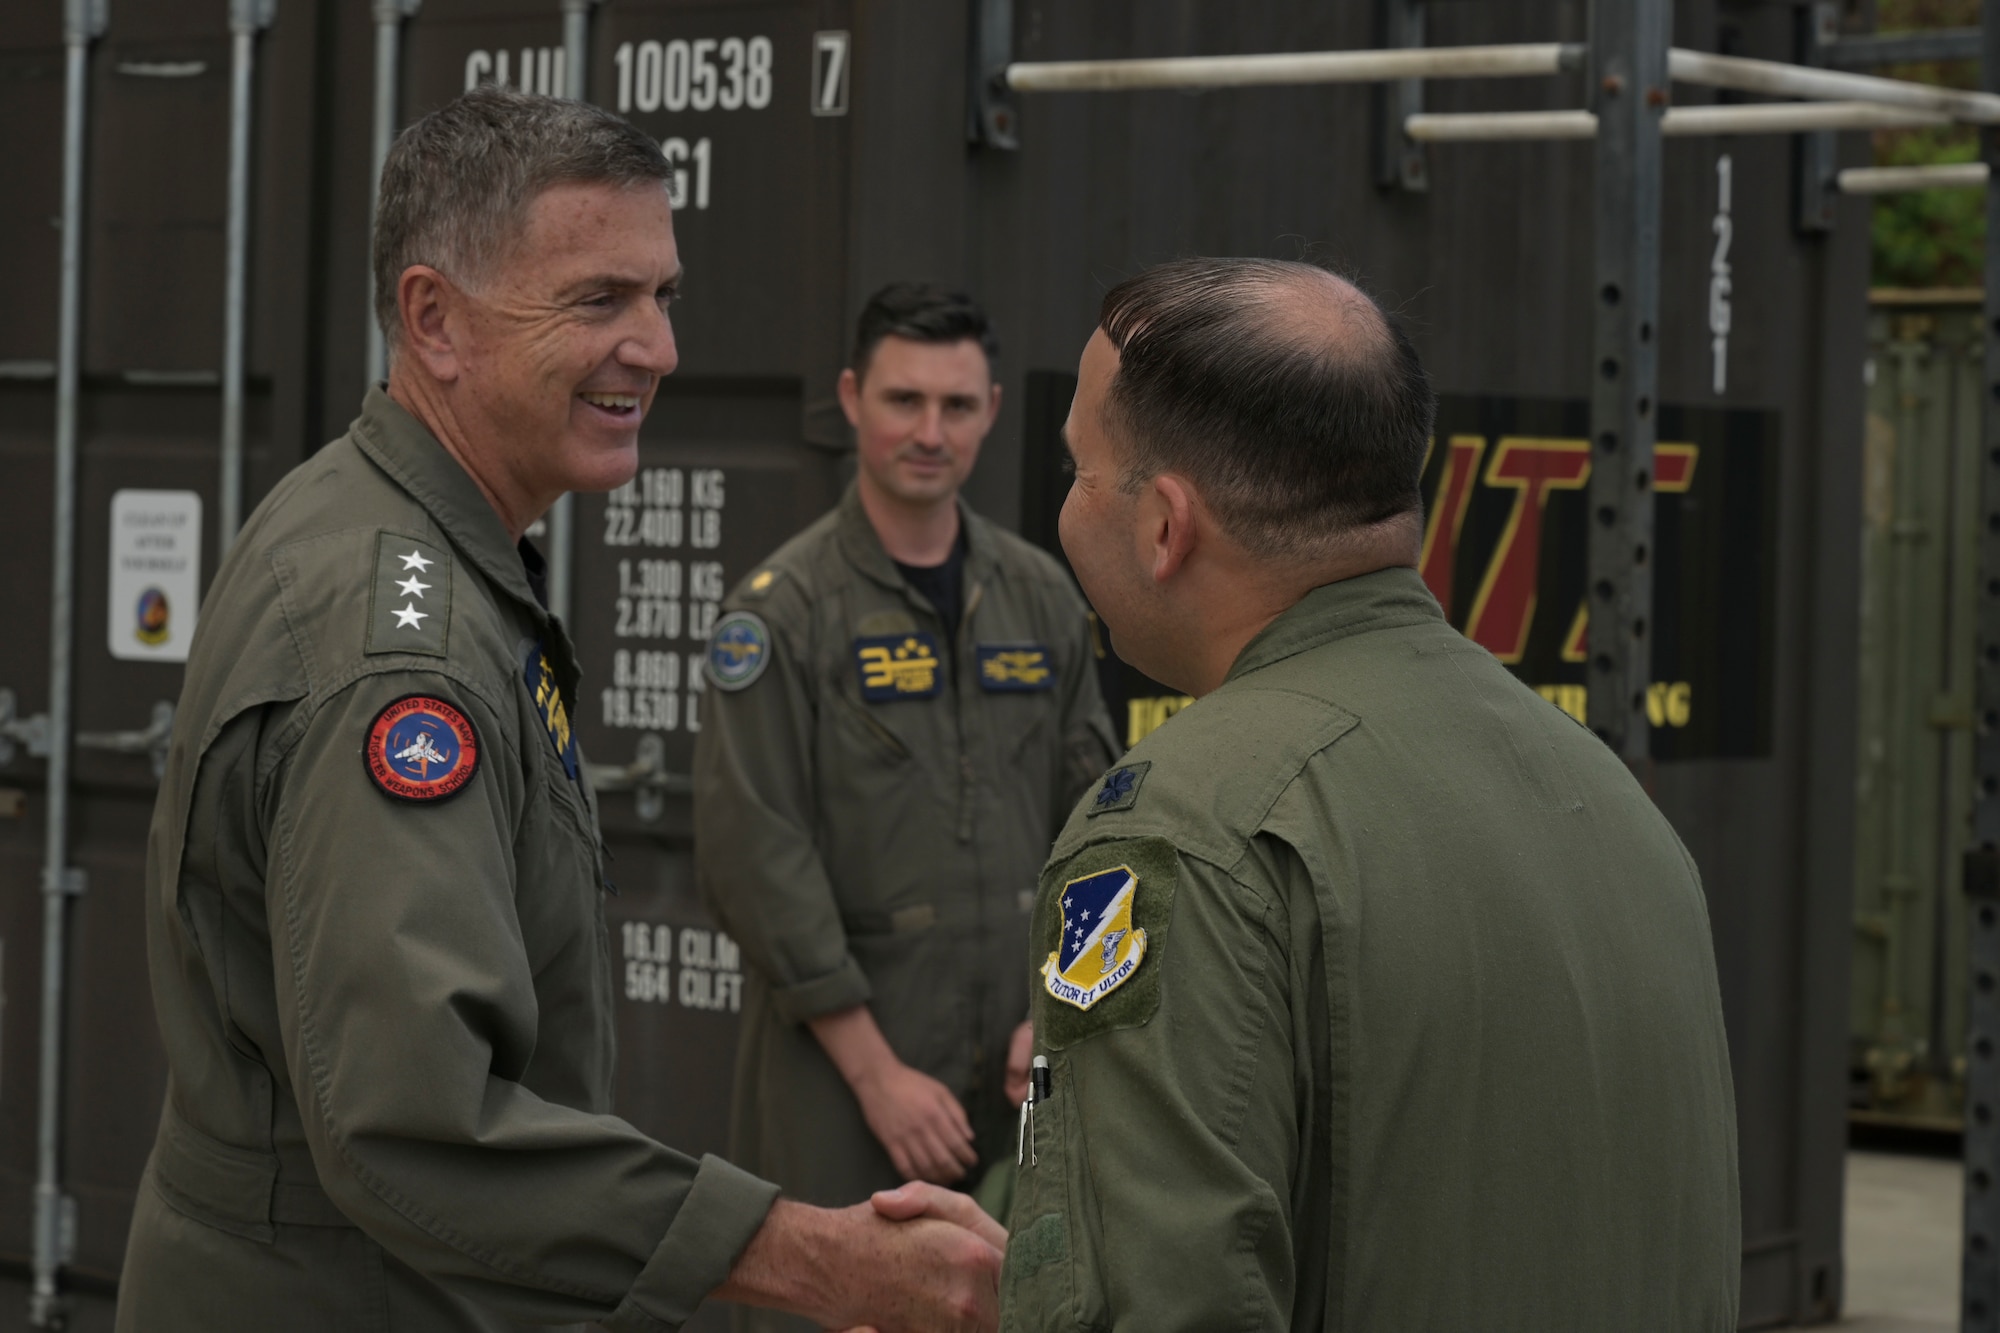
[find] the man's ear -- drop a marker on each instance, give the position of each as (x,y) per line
(848,390)
(1175,516)
(993,407)
(431,328)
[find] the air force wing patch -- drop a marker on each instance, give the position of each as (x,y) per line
(1100,948)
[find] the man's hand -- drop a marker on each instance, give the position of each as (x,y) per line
(920,1122)
(854,1268)
(906,1203)
(915,1117)
(1020,1050)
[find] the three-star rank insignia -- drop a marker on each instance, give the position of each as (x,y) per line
(421,748)
(1009,668)
(1100,948)
(409,604)
(1119,788)
(897,666)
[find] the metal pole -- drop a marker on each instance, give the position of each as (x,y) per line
(83,23)
(389,16)
(1680,122)
(1437,62)
(562,514)
(1895,180)
(1628,77)
(246,19)
(1980,1258)
(1781,80)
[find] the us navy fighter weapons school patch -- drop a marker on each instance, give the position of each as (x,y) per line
(421,749)
(1100,948)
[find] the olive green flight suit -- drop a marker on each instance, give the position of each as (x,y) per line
(388,1018)
(1424,1031)
(880,845)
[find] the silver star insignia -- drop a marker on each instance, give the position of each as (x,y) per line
(408,616)
(415,560)
(409,587)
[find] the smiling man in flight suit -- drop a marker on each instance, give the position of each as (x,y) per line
(1376,994)
(375,917)
(904,705)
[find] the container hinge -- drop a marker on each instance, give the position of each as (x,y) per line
(1399,159)
(646,777)
(33,731)
(152,740)
(68,881)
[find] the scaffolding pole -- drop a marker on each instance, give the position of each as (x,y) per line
(1628,78)
(1979,1308)
(1900,180)
(1293,68)
(1678,123)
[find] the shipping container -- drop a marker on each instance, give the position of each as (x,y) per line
(821,149)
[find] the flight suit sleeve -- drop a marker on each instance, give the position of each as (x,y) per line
(1090,745)
(1155,1195)
(408,1012)
(756,859)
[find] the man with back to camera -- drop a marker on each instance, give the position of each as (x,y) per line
(903,706)
(374,911)
(1375,993)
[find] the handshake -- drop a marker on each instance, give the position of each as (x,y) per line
(919,1258)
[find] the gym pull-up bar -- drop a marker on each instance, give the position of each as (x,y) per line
(1737,73)
(1678,122)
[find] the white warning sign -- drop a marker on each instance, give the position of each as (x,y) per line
(155,574)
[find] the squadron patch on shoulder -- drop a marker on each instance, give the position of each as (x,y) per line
(739,648)
(897,666)
(421,748)
(1008,668)
(1100,948)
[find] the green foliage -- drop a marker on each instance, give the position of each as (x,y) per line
(1929,238)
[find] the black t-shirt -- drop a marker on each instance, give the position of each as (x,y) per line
(537,570)
(943,585)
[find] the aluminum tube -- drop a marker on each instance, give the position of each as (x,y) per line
(1897,180)
(235,312)
(388,65)
(1679,122)
(1483,126)
(45,1303)
(1769,76)
(1440,62)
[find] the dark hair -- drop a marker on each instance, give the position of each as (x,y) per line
(457,184)
(1283,392)
(921,313)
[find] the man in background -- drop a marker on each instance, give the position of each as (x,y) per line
(903,706)
(1376,993)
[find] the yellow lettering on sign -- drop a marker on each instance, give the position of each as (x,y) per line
(1668,703)
(1144,716)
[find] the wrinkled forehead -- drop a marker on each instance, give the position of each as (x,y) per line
(577,227)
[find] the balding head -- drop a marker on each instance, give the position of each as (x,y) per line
(1282,392)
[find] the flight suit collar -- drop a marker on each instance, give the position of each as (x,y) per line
(405,449)
(864,550)
(1381,600)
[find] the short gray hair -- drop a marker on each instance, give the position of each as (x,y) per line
(457,184)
